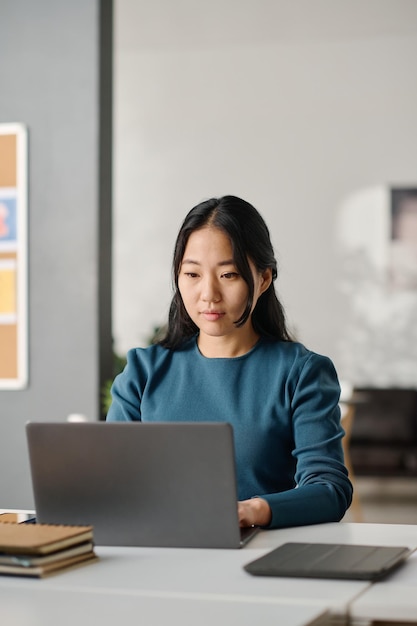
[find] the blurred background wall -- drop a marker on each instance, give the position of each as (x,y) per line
(297,106)
(55,78)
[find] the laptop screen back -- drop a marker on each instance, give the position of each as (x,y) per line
(138,484)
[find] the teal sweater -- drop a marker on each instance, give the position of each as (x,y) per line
(282,401)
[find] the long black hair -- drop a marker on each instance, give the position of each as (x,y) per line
(250,239)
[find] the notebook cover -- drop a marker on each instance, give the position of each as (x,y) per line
(39,571)
(322,560)
(30,560)
(40,538)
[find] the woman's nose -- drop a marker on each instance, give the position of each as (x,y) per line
(210,291)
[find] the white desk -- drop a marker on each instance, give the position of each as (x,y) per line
(66,607)
(169,585)
(391,601)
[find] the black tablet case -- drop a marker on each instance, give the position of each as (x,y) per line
(329,560)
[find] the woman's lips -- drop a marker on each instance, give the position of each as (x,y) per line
(212,316)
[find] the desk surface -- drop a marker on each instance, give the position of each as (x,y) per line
(210,583)
(69,607)
(392,600)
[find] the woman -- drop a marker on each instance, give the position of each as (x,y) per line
(228,356)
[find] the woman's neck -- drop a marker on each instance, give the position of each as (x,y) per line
(226,347)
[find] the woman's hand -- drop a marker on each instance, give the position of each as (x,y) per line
(254,512)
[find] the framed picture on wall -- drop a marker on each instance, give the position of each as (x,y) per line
(403,244)
(13,257)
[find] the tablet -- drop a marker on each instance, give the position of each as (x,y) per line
(329,560)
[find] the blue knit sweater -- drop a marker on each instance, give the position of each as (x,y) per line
(282,401)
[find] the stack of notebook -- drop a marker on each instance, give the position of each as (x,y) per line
(39,549)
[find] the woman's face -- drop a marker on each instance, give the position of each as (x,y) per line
(213,292)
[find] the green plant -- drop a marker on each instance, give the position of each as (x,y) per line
(118,366)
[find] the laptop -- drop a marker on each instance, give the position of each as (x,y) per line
(329,560)
(138,483)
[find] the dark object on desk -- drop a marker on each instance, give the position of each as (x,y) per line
(383,441)
(326,560)
(139,484)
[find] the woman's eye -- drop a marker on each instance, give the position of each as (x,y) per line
(191,274)
(230,275)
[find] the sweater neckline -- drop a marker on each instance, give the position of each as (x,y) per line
(226,358)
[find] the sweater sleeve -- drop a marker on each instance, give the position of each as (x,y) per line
(323,491)
(126,392)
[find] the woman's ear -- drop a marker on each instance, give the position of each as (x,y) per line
(266,276)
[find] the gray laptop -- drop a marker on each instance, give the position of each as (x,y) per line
(138,484)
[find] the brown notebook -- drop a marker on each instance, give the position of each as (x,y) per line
(31,539)
(29,560)
(42,570)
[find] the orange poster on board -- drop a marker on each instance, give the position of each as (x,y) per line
(13,257)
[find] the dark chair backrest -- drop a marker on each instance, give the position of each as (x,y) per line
(384,434)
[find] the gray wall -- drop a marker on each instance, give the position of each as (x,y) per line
(50,68)
(295,105)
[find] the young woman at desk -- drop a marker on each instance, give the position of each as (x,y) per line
(228,356)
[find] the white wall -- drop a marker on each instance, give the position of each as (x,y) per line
(292,104)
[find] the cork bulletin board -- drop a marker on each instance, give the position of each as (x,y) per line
(13,257)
